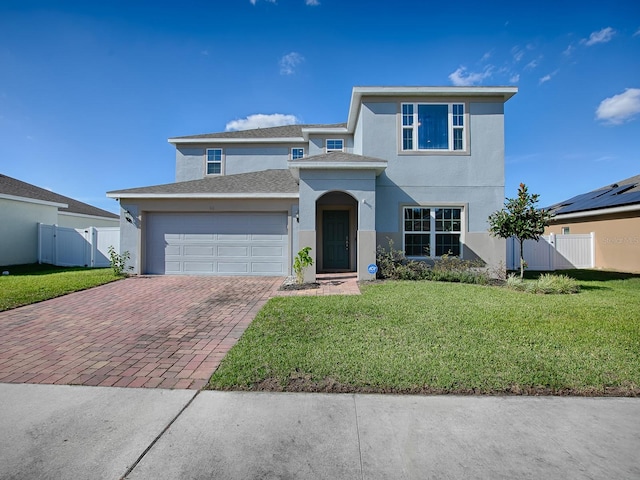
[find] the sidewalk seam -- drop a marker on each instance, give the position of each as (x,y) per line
(158,437)
(355,408)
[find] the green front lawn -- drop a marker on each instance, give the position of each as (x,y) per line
(27,284)
(430,337)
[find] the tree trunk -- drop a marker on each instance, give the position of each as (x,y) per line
(521,258)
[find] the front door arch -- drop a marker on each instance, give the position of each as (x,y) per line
(337,219)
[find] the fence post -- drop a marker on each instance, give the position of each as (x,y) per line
(552,251)
(39,243)
(94,245)
(54,252)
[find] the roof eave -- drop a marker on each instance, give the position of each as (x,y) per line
(33,200)
(295,168)
(121,195)
(323,131)
(205,140)
(597,212)
(358,92)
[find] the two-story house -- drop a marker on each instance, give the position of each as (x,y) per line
(422,166)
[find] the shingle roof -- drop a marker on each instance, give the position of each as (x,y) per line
(17,188)
(266,181)
(624,192)
(337,157)
(285,131)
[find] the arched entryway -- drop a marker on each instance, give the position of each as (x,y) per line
(337,223)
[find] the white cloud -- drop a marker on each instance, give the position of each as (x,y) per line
(486,56)
(253,2)
(312,3)
(533,64)
(260,120)
(601,36)
(547,77)
(462,78)
(620,108)
(515,78)
(289,62)
(544,79)
(637,34)
(517,53)
(569,50)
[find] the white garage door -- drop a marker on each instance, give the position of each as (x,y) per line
(217,243)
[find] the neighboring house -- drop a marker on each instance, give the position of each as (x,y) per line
(422,166)
(23,206)
(613,214)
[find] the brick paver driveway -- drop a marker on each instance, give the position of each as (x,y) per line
(161,331)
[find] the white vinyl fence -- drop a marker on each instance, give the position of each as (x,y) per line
(553,252)
(77,247)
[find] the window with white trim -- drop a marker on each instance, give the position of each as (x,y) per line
(432,231)
(335,145)
(433,126)
(214,161)
(297,153)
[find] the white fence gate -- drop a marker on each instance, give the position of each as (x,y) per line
(553,252)
(77,247)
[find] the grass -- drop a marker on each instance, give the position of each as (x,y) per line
(32,283)
(431,337)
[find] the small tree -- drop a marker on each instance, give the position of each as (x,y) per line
(301,262)
(521,219)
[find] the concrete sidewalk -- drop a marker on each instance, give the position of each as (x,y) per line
(52,431)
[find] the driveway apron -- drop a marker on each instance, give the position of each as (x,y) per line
(148,331)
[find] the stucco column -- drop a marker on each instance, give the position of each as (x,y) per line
(307,238)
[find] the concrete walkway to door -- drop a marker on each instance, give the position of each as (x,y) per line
(148,331)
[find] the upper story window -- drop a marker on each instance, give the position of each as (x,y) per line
(297,153)
(214,161)
(433,126)
(432,231)
(335,145)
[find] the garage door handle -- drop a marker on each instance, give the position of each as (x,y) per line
(346,243)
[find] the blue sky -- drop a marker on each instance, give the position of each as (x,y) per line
(90,91)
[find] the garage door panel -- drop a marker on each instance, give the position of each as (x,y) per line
(233,237)
(198,237)
(233,267)
(233,252)
(217,243)
(198,251)
(198,267)
(266,251)
(258,268)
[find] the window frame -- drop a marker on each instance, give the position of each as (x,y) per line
(208,162)
(328,150)
(292,156)
(433,232)
(457,128)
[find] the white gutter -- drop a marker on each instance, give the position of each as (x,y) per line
(212,140)
(596,213)
(84,215)
(320,131)
(118,196)
(33,200)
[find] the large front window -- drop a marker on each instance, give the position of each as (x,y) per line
(432,231)
(433,126)
(214,161)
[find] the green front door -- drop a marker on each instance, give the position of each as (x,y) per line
(335,240)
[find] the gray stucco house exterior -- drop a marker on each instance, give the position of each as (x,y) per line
(422,166)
